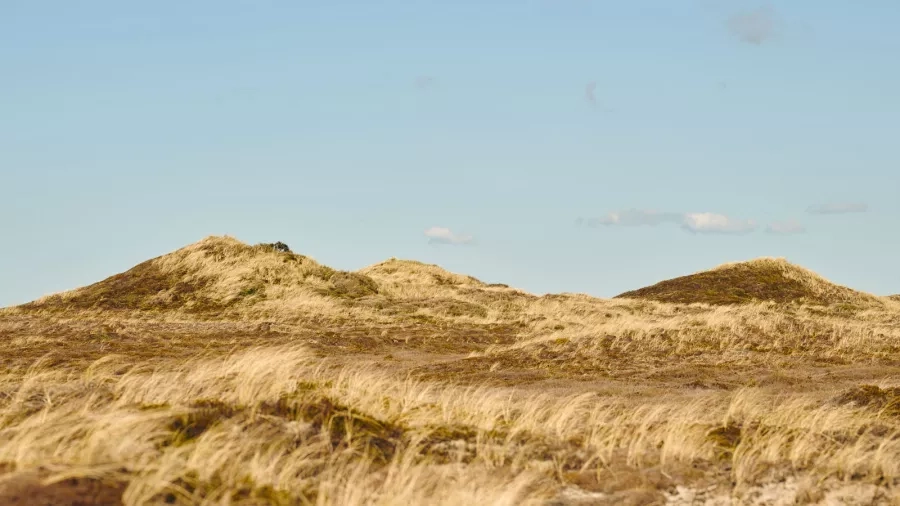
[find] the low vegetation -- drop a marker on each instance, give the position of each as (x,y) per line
(761,280)
(232,374)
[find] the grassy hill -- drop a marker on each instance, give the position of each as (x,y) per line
(227,373)
(764,279)
(214,275)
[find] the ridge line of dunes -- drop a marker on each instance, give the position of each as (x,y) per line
(221,275)
(759,280)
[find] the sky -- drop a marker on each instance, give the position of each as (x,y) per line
(554,145)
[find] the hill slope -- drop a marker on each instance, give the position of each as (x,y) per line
(211,275)
(224,277)
(418,273)
(763,279)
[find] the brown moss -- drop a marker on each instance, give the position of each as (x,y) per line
(29,489)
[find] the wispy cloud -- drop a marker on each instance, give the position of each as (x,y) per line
(702,223)
(443,235)
(424,82)
(712,223)
(755,26)
(589,93)
(787,227)
(838,208)
(633,218)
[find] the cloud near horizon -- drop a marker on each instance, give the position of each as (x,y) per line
(443,235)
(838,208)
(712,223)
(703,223)
(786,227)
(753,27)
(633,218)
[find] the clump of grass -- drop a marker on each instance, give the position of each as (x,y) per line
(725,439)
(350,285)
(883,400)
(277,246)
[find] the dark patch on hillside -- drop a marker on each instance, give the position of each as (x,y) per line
(439,306)
(28,489)
(350,285)
(454,307)
(885,400)
(733,285)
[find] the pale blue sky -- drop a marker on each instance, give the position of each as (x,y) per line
(348,128)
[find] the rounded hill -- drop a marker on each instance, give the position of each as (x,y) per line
(214,274)
(762,279)
(417,273)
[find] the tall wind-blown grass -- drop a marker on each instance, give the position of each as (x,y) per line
(276,426)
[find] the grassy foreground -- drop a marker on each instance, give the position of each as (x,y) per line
(233,374)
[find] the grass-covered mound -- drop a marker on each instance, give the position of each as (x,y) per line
(763,279)
(212,275)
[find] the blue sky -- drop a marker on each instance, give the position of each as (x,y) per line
(554,145)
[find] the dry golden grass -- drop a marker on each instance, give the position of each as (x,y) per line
(233,374)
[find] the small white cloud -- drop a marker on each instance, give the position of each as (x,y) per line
(609,219)
(838,208)
(693,222)
(712,223)
(753,27)
(443,235)
(786,227)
